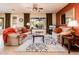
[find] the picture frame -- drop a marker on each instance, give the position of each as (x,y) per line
(21,19)
(14,17)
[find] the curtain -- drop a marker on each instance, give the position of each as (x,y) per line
(26,18)
(49,21)
(7,20)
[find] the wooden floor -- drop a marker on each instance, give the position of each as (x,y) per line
(10,50)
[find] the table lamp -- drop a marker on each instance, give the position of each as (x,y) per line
(28,25)
(72,24)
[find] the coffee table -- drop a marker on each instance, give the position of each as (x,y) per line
(38,36)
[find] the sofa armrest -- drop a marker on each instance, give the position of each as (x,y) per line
(12,39)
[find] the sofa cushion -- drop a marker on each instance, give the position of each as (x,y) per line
(57,30)
(13,35)
(24,29)
(23,35)
(65,28)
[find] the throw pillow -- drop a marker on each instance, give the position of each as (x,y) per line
(58,30)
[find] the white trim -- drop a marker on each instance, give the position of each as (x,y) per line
(54,19)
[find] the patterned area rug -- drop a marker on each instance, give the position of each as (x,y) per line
(44,48)
(50,44)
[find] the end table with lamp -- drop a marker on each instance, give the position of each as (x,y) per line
(70,38)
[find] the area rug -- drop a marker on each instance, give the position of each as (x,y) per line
(50,45)
(44,48)
(50,48)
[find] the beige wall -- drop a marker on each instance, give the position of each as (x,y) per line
(19,24)
(54,19)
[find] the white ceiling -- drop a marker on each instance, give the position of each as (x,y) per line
(25,7)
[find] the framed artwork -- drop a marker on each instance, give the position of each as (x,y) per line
(14,20)
(14,17)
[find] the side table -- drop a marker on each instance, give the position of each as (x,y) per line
(69,39)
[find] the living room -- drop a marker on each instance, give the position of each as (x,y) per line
(26,25)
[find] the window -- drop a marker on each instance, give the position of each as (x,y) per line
(63,19)
(38,23)
(1,23)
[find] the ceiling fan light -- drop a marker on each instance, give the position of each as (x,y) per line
(35,8)
(41,8)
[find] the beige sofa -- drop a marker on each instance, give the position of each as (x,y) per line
(58,35)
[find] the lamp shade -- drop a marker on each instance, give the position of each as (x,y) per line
(73,23)
(28,24)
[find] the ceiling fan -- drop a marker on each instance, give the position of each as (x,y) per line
(35,8)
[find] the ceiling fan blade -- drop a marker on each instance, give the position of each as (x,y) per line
(41,8)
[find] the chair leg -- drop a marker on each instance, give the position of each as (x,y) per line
(69,46)
(62,41)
